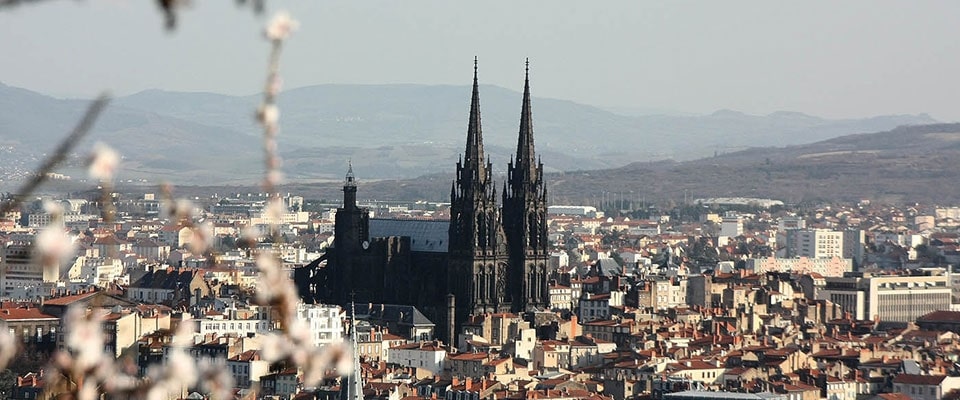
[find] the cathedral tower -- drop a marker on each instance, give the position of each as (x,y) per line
(525,217)
(352,225)
(477,273)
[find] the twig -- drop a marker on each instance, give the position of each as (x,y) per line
(64,148)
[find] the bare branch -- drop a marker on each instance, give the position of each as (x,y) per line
(57,157)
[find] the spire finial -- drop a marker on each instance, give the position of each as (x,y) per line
(350,177)
(525,153)
(473,157)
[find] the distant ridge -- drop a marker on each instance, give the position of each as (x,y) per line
(904,165)
(390,131)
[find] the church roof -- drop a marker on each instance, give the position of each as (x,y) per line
(425,235)
(401,314)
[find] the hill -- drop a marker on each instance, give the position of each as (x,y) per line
(906,164)
(903,165)
(389,131)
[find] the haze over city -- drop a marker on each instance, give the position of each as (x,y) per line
(830,59)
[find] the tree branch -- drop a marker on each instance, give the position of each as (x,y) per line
(57,157)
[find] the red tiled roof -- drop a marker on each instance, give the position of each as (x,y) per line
(469,357)
(20,313)
(908,379)
(941,316)
(67,300)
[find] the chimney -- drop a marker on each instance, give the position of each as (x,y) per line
(456,381)
(574,325)
(468,384)
(451,320)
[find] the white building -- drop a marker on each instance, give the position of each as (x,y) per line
(247,368)
(814,243)
(429,356)
(898,298)
(324,321)
(731,225)
(584,211)
(232,322)
(561,297)
(21,272)
(559,259)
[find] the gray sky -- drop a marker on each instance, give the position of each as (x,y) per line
(827,58)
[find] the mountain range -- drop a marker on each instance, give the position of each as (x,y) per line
(905,165)
(388,131)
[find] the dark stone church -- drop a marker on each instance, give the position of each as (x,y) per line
(488,257)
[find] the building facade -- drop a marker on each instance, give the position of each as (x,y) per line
(897,298)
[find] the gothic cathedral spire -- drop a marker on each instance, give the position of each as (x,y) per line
(525,160)
(477,274)
(473,155)
(524,215)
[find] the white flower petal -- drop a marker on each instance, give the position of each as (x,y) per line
(280,26)
(104,162)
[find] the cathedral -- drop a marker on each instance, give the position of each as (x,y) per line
(489,257)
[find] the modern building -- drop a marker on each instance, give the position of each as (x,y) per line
(899,298)
(21,273)
(834,266)
(853,240)
(814,243)
(731,225)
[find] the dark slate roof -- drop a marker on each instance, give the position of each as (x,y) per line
(425,235)
(400,314)
(910,367)
(168,279)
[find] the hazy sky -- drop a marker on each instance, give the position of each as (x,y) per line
(828,58)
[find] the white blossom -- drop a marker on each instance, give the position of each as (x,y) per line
(274,210)
(88,392)
(344,365)
(8,346)
(274,177)
(201,238)
(177,210)
(273,347)
(216,380)
(104,162)
(280,26)
(84,337)
(269,114)
(271,282)
(274,86)
(54,246)
(53,208)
